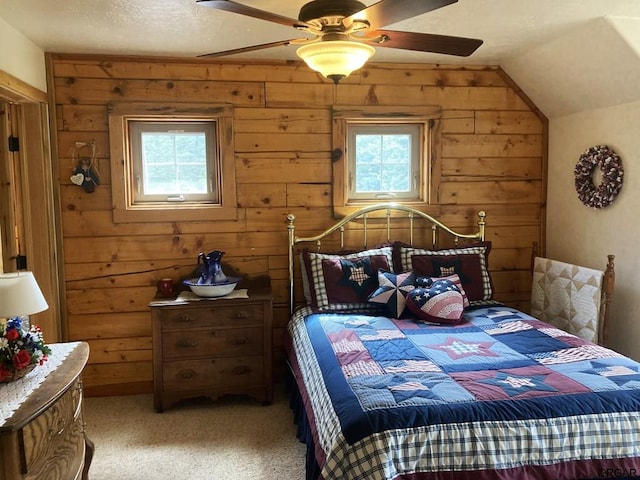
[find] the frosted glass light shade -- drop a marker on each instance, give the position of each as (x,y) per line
(20,295)
(335,59)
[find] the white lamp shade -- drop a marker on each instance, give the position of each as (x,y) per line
(335,59)
(20,295)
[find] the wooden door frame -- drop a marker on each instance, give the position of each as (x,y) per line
(35,187)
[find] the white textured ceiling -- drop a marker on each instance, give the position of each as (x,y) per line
(593,66)
(556,34)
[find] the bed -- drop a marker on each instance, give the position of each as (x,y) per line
(388,385)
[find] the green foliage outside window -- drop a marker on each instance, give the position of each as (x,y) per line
(383,163)
(174,163)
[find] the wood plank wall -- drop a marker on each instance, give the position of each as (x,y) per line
(494,145)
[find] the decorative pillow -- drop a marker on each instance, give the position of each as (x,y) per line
(392,291)
(428,281)
(306,289)
(439,303)
(344,282)
(469,263)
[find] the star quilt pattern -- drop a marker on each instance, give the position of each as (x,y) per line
(496,373)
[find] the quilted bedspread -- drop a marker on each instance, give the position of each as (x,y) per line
(500,395)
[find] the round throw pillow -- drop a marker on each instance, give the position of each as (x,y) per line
(442,302)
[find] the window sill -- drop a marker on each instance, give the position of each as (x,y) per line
(184,214)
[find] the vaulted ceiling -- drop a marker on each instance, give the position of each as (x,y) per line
(593,65)
(567,55)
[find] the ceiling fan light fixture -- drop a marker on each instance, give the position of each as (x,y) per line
(335,59)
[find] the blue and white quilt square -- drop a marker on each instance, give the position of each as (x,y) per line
(393,349)
(390,391)
(493,315)
(469,351)
(603,374)
(531,341)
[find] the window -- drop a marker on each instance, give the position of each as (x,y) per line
(177,166)
(384,161)
(173,161)
(383,154)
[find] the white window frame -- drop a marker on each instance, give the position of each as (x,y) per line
(415,131)
(128,209)
(137,127)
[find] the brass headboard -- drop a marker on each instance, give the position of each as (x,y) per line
(364,214)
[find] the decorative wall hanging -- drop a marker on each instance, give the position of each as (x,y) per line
(85,173)
(612,173)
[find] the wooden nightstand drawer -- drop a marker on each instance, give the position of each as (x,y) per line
(54,441)
(218,342)
(198,374)
(227,315)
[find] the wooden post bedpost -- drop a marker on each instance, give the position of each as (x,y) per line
(534,253)
(608,284)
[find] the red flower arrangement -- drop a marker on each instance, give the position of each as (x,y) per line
(20,350)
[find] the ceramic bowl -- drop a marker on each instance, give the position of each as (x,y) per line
(214,289)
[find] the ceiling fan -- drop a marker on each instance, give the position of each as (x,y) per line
(345,30)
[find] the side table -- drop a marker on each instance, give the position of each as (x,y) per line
(212,347)
(45,436)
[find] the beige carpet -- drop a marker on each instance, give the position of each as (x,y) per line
(233,438)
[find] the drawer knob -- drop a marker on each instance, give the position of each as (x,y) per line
(187,374)
(239,341)
(185,343)
(184,318)
(241,370)
(241,315)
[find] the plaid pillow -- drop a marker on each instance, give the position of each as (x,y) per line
(469,263)
(344,282)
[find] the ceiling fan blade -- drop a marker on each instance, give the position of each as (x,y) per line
(423,42)
(230,6)
(253,48)
(387,12)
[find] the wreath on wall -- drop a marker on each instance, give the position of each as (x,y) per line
(610,164)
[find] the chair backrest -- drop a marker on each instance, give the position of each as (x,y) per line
(569,297)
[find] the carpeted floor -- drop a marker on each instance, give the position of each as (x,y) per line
(234,438)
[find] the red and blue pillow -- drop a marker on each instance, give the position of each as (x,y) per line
(406,294)
(427,281)
(438,301)
(344,282)
(470,263)
(392,291)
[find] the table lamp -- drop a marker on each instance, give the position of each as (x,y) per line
(20,296)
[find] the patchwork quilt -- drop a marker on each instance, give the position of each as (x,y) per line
(499,395)
(567,296)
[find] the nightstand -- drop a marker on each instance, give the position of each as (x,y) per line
(212,347)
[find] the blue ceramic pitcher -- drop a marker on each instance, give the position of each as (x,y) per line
(211,268)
